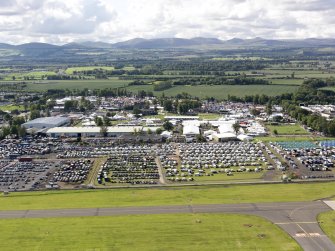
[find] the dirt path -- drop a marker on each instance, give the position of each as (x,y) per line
(162,179)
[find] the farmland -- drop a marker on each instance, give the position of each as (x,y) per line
(166,196)
(222,91)
(145,232)
(71,70)
(201,91)
(77,84)
(37,75)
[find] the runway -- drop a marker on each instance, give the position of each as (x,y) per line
(298,219)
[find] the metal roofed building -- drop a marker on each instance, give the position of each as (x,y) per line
(112,131)
(47,122)
(181,118)
(191,132)
(223,137)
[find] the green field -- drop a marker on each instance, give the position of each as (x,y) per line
(236,58)
(327,222)
(286,81)
(243,176)
(11,107)
(145,232)
(287,129)
(202,91)
(77,84)
(222,91)
(292,138)
(34,74)
(166,196)
(209,116)
(71,70)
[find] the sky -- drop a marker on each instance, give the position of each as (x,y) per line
(64,21)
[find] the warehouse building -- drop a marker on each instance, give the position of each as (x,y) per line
(113,131)
(47,122)
(191,132)
(224,137)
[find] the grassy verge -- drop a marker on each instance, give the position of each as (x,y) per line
(327,222)
(291,138)
(243,176)
(209,116)
(166,196)
(145,232)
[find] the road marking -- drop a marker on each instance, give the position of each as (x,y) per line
(314,234)
(305,235)
(331,204)
(293,222)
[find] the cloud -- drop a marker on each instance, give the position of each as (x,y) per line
(62,21)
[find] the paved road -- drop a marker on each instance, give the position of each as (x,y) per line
(297,218)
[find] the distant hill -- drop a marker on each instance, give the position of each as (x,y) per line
(79,51)
(260,42)
(161,43)
(37,46)
(6,46)
(164,43)
(96,44)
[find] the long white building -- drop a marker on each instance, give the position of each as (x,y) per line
(112,131)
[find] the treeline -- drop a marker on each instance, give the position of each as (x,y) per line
(314,121)
(105,74)
(14,126)
(60,77)
(162,86)
(308,93)
(210,67)
(106,92)
(137,82)
(220,81)
(180,106)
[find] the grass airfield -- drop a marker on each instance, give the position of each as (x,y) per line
(145,232)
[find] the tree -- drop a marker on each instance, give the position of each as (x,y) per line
(201,138)
(236,127)
(104,131)
(22,131)
(159,131)
(34,114)
(99,121)
(275,132)
(168,126)
(277,119)
(255,112)
(70,105)
(107,121)
(168,106)
(268,108)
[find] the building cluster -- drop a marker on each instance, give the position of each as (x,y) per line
(235,122)
(326,111)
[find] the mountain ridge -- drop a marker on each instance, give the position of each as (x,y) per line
(164,43)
